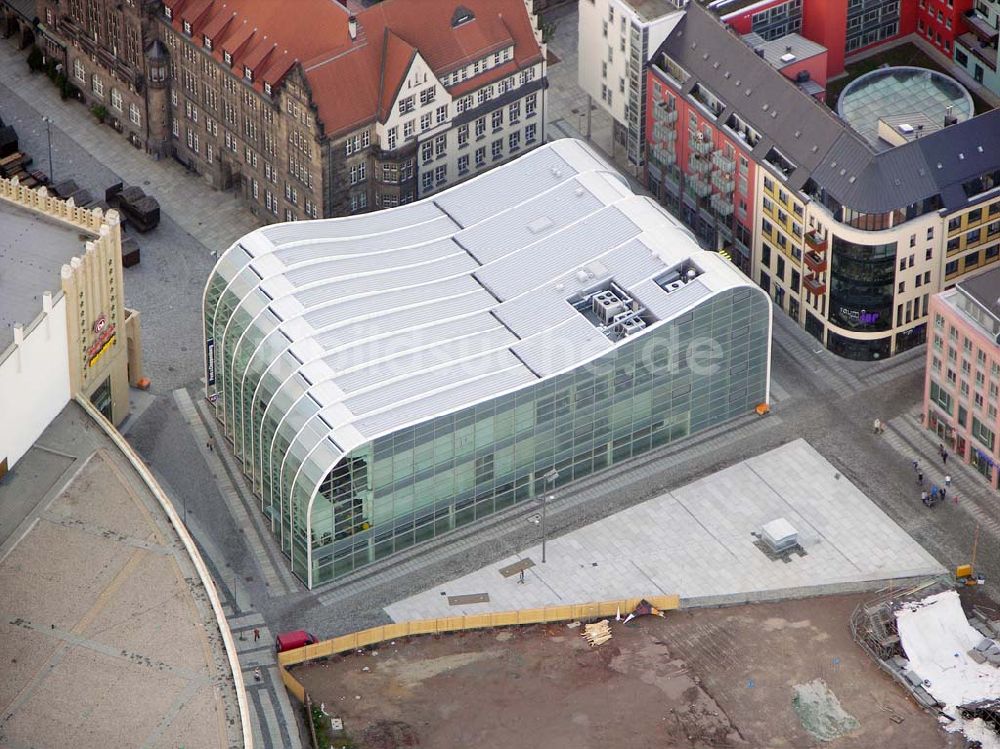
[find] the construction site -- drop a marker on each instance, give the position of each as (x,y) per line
(785,674)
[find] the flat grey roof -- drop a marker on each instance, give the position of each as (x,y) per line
(776,50)
(401,315)
(650,10)
(985,289)
(33,249)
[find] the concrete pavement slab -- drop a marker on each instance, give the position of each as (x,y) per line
(698,541)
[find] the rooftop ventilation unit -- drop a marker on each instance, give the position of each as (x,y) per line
(627,323)
(607,305)
(905,128)
(787,57)
(779,535)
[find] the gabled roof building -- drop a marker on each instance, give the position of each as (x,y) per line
(319,112)
(849,234)
(390,377)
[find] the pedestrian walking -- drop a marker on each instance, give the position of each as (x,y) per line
(947,480)
(256,673)
(915,463)
(920,477)
(923,497)
(940,448)
(876,426)
(256,634)
(521,578)
(944,457)
(944,493)
(209,446)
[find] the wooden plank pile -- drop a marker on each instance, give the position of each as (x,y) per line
(597,633)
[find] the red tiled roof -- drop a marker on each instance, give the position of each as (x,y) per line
(354,81)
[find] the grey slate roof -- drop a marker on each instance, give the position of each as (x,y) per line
(802,129)
(821,145)
(985,289)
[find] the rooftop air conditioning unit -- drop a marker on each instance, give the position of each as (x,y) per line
(673,285)
(779,535)
(606,305)
(627,323)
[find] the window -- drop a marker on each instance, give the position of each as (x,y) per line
(514,141)
(391,138)
(406,105)
(427,180)
(481,157)
(496,149)
(425,121)
(133,114)
(427,96)
(426,152)
(440,174)
(463,136)
(514,113)
(116,99)
(357,172)
(463,164)
(941,397)
(409,127)
(480,127)
(441,115)
(769,184)
(529,104)
(930,233)
(187,27)
(97,86)
(497,120)
(440,144)
(982,433)
(529,133)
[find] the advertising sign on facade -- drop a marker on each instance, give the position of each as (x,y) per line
(210,358)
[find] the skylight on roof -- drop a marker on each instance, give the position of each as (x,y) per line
(461,15)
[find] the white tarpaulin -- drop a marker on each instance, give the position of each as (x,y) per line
(937,638)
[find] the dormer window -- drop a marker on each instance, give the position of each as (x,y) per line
(247,73)
(187,28)
(168,11)
(267,88)
(208,42)
(228,58)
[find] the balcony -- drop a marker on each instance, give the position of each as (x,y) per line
(722,162)
(723,183)
(815,262)
(722,205)
(698,166)
(982,50)
(702,147)
(662,113)
(815,285)
(698,187)
(980,26)
(816,242)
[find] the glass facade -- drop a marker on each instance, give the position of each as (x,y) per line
(334,510)
(862,278)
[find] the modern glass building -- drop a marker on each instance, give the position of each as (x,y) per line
(388,377)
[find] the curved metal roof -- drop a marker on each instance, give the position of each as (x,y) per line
(394,317)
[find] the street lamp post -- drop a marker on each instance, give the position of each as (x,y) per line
(550,480)
(48,135)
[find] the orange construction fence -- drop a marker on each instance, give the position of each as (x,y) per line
(386,632)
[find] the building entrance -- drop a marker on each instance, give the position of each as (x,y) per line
(101,398)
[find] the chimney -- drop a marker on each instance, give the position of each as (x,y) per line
(352,27)
(788,48)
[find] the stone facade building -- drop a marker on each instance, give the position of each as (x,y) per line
(101,46)
(325,114)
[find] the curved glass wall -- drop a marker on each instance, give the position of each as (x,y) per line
(430,478)
(334,513)
(862,280)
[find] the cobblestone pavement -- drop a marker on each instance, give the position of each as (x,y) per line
(167,285)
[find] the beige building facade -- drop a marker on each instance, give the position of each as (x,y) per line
(79,338)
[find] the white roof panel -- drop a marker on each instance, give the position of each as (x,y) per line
(422,310)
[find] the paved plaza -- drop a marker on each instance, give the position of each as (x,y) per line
(698,541)
(107,637)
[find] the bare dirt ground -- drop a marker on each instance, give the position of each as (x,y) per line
(698,678)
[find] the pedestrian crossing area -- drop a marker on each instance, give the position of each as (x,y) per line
(969,490)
